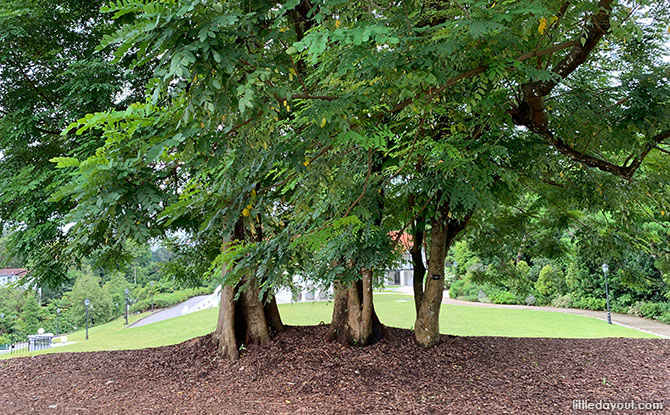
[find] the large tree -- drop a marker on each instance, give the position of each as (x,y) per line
(300,134)
(50,75)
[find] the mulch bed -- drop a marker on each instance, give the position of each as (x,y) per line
(301,374)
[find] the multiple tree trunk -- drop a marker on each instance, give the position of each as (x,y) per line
(243,318)
(354,319)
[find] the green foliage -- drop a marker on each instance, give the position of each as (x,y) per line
(31,316)
(87,286)
(563,301)
(115,288)
(504,297)
(549,282)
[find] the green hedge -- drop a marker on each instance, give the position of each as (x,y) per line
(165,300)
(504,297)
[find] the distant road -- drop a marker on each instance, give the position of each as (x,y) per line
(168,313)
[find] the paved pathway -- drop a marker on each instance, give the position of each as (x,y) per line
(174,311)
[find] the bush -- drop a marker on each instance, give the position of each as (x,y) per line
(165,300)
(590,303)
(563,301)
(654,310)
(456,289)
(635,309)
(530,299)
(665,318)
(503,297)
(549,281)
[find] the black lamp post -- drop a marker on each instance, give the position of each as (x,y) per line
(152,296)
(126,291)
(117,310)
(86,302)
(607,294)
(2,317)
(58,322)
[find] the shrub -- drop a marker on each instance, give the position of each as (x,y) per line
(563,301)
(549,281)
(665,318)
(654,310)
(456,289)
(590,303)
(504,297)
(635,309)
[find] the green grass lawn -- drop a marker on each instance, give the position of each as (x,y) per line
(395,310)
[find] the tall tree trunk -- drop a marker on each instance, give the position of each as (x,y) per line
(444,231)
(354,319)
(242,314)
(418,267)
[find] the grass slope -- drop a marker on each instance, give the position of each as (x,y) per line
(394,310)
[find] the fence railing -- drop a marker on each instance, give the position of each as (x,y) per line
(31,345)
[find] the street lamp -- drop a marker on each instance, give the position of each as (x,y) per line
(58,322)
(607,294)
(152,296)
(86,302)
(117,309)
(2,317)
(126,291)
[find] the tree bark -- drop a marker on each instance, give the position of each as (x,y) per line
(418,267)
(243,318)
(444,231)
(355,322)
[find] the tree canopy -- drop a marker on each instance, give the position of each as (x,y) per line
(305,137)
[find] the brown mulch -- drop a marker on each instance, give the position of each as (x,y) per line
(300,373)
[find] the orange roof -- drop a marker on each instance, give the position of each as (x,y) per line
(405,239)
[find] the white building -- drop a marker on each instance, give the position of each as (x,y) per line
(404,273)
(11,275)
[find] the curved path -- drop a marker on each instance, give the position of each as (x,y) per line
(174,311)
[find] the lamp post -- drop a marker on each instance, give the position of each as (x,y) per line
(117,310)
(607,294)
(126,291)
(152,296)
(58,322)
(2,317)
(86,302)
(456,269)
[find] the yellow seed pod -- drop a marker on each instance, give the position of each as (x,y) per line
(323,122)
(245,212)
(249,207)
(543,25)
(253,192)
(337,24)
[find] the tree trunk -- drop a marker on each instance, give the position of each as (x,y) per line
(418,267)
(272,315)
(444,231)
(354,319)
(242,314)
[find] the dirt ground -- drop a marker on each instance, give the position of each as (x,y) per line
(301,374)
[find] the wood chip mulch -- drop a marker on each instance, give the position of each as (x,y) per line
(299,373)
